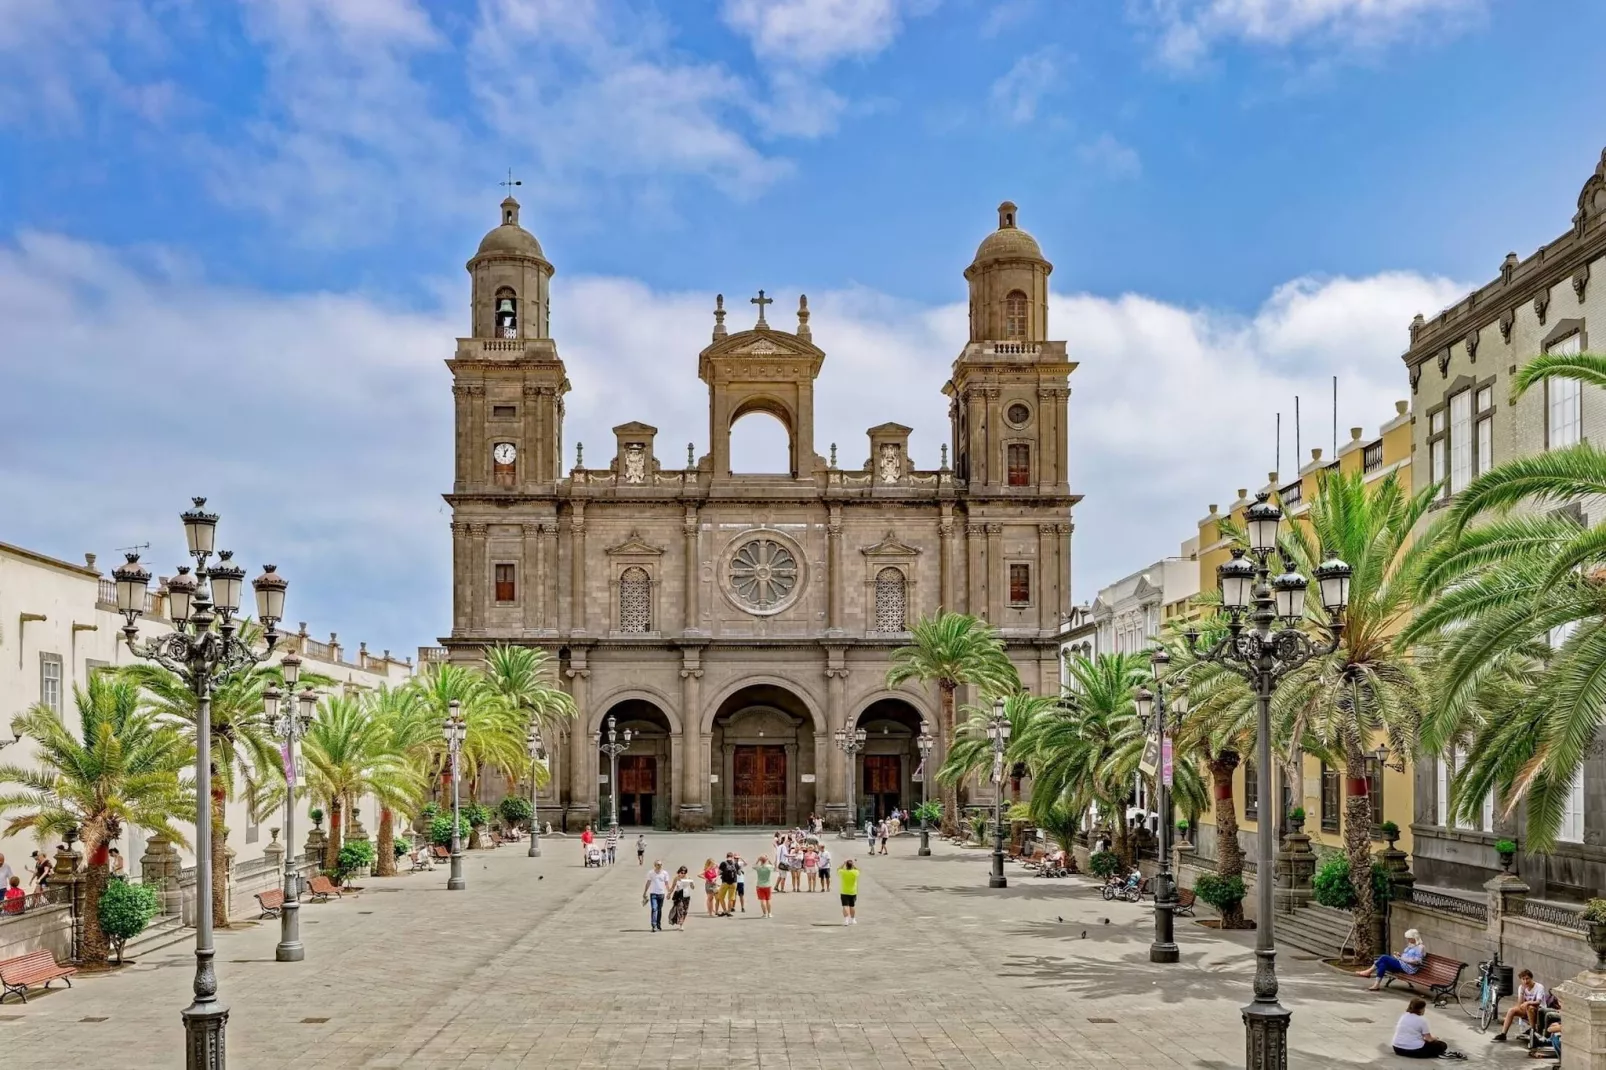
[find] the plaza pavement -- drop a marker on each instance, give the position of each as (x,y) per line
(543,963)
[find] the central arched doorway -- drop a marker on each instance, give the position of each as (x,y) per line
(645,767)
(762,745)
(886,779)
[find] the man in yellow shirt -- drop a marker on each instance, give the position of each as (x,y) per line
(848,884)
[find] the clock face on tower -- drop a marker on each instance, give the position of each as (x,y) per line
(504,453)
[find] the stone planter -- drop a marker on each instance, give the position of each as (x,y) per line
(1596,934)
(1507,860)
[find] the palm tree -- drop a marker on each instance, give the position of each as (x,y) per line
(494,731)
(1370,687)
(525,679)
(1081,748)
(349,754)
(413,737)
(122,767)
(245,754)
(952,650)
(1515,605)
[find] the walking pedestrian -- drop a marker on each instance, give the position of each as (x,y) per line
(613,843)
(741,883)
(587,838)
(653,892)
(782,861)
(825,869)
(762,874)
(811,866)
(641,849)
(710,884)
(794,857)
(685,888)
(849,883)
(727,885)
(883,833)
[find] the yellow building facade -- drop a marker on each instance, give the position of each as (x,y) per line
(1320,790)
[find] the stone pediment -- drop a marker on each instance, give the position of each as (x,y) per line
(762,343)
(1102,610)
(1145,588)
(890,430)
(890,546)
(635,427)
(635,546)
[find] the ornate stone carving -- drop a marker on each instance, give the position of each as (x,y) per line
(1444,363)
(479,531)
(1542,305)
(945,527)
(1581,281)
(1472,346)
(762,575)
(889,464)
(975,529)
(634,546)
(1416,376)
(688,525)
(549,528)
(995,529)
(1508,320)
(635,463)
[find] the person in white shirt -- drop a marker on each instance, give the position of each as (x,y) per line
(5,872)
(653,892)
(685,888)
(1411,1037)
(1529,1000)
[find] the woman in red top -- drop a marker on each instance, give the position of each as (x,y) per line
(586,840)
(15,896)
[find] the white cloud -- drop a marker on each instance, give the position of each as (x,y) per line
(1018,91)
(56,58)
(815,32)
(1189,29)
(1111,157)
(340,423)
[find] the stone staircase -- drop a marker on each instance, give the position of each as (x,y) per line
(163,931)
(1317,930)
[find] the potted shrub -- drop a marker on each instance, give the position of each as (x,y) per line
(1296,818)
(356,859)
(1390,831)
(516,811)
(1224,894)
(1104,864)
(440,830)
(1594,913)
(125,910)
(1331,886)
(1507,850)
(317,817)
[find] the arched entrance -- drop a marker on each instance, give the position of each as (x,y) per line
(646,770)
(762,750)
(886,780)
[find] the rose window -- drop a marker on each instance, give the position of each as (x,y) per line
(763,573)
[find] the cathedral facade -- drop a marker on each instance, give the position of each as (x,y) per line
(733,623)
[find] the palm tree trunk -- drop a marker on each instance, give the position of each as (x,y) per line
(1358,848)
(1229,855)
(96,947)
(945,728)
(331,851)
(385,863)
(220,858)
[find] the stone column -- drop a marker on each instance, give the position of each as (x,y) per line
(975,570)
(479,466)
(1583,1021)
(1396,863)
(478,595)
(67,886)
(833,557)
(273,853)
(318,843)
(1047,604)
(1507,893)
(547,564)
(976,433)
(945,558)
(577,562)
(694,777)
(462,594)
(997,582)
(689,527)
(159,867)
(834,810)
(582,758)
(461,473)
(530,578)
(1295,865)
(793,772)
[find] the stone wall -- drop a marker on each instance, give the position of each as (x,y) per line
(48,927)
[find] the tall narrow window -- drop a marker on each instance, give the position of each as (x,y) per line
(1564,401)
(1485,436)
(1251,790)
(1437,447)
(1020,464)
(635,600)
(507,313)
(1460,440)
(506,587)
(889,600)
(1015,315)
(50,681)
(1332,798)
(1442,801)
(1572,814)
(1374,789)
(1020,585)
(1460,764)
(1487,823)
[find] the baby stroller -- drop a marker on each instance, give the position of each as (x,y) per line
(594,856)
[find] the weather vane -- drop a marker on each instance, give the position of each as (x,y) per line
(510,182)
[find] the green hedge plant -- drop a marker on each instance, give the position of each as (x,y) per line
(1331,885)
(1594,911)
(1222,893)
(1104,864)
(516,810)
(125,910)
(440,830)
(1505,847)
(354,855)
(476,815)
(930,812)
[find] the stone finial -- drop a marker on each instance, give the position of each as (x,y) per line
(1417,323)
(1006,215)
(1213,507)
(89,560)
(761,301)
(579,454)
(1243,492)
(719,317)
(833,455)
(803,330)
(1508,267)
(945,456)
(1400,407)
(1355,434)
(691,455)
(1271,477)
(1315,454)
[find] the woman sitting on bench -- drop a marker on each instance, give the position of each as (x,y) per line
(1407,961)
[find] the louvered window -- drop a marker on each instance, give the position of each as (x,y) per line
(635,600)
(889,600)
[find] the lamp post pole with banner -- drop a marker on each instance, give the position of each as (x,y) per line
(613,748)
(1152,709)
(851,743)
(998,732)
(925,743)
(537,753)
(290,726)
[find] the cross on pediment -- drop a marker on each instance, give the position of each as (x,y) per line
(761,301)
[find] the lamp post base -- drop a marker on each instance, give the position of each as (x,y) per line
(1163,952)
(535,847)
(925,842)
(284,952)
(455,882)
(203,1035)
(1266,1035)
(996,881)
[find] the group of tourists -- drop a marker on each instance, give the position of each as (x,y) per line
(725,884)
(802,858)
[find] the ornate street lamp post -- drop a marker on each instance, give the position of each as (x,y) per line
(1263,653)
(204,650)
(851,743)
(613,748)
(925,743)
(533,742)
(455,730)
(998,729)
(290,726)
(1152,709)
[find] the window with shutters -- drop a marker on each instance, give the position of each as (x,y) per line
(50,681)
(890,592)
(1020,585)
(1015,315)
(1564,401)
(1332,798)
(1461,460)
(1020,464)
(635,600)
(1374,791)
(506,586)
(1251,790)
(1572,812)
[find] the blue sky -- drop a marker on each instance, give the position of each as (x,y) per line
(284,192)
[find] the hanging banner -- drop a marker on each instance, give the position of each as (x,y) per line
(289,765)
(920,770)
(1166,760)
(1150,761)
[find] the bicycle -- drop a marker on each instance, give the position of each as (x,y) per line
(1480,996)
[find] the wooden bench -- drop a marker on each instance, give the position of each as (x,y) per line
(321,888)
(271,901)
(440,853)
(419,859)
(1185,901)
(1438,976)
(34,968)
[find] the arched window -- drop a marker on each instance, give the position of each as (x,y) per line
(635,600)
(507,313)
(890,591)
(1015,315)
